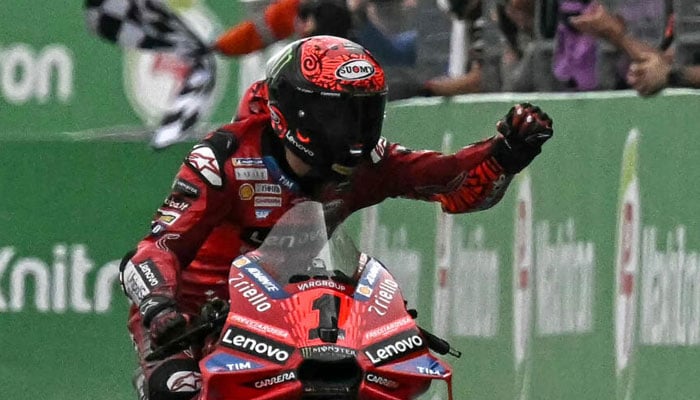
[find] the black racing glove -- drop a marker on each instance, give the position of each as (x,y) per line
(163,321)
(525,129)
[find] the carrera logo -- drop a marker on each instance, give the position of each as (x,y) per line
(355,70)
(202,160)
(256,345)
(275,380)
(382,381)
(394,347)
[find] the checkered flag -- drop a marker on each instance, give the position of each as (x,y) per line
(150,25)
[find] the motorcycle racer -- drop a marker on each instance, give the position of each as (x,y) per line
(310,130)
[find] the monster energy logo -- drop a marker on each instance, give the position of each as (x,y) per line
(277,62)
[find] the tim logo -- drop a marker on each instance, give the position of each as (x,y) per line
(355,70)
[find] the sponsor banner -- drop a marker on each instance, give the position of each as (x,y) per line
(599,326)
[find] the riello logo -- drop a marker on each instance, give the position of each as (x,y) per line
(69,282)
(152,80)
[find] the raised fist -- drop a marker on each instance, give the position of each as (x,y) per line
(525,124)
(525,129)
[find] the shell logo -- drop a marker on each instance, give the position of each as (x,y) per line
(246,191)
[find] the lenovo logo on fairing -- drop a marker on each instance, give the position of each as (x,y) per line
(256,345)
(395,347)
(355,70)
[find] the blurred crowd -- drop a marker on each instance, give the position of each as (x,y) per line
(433,47)
(451,47)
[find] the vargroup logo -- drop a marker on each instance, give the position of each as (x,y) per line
(626,267)
(153,79)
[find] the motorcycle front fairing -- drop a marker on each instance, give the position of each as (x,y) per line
(313,318)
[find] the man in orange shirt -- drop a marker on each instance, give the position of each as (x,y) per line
(281,20)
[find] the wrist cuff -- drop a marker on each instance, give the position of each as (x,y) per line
(152,306)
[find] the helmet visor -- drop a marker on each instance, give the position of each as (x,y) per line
(342,127)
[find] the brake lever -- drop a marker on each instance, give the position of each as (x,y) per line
(186,338)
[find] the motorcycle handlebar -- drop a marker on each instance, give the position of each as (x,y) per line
(211,319)
(438,345)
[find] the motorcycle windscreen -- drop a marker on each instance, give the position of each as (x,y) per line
(306,242)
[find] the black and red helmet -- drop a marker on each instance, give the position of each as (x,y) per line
(327,97)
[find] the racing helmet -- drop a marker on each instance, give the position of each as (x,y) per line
(327,97)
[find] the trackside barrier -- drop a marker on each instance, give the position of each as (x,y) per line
(581,284)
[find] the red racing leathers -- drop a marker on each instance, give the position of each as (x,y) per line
(231,188)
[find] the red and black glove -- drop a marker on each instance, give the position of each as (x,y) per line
(525,129)
(161,318)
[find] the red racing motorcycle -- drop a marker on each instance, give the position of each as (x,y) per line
(311,317)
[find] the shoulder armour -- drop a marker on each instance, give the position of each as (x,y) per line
(208,157)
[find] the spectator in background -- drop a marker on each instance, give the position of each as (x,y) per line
(575,52)
(643,71)
(282,20)
(285,19)
(516,22)
(471,81)
(502,52)
(397,49)
(654,71)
